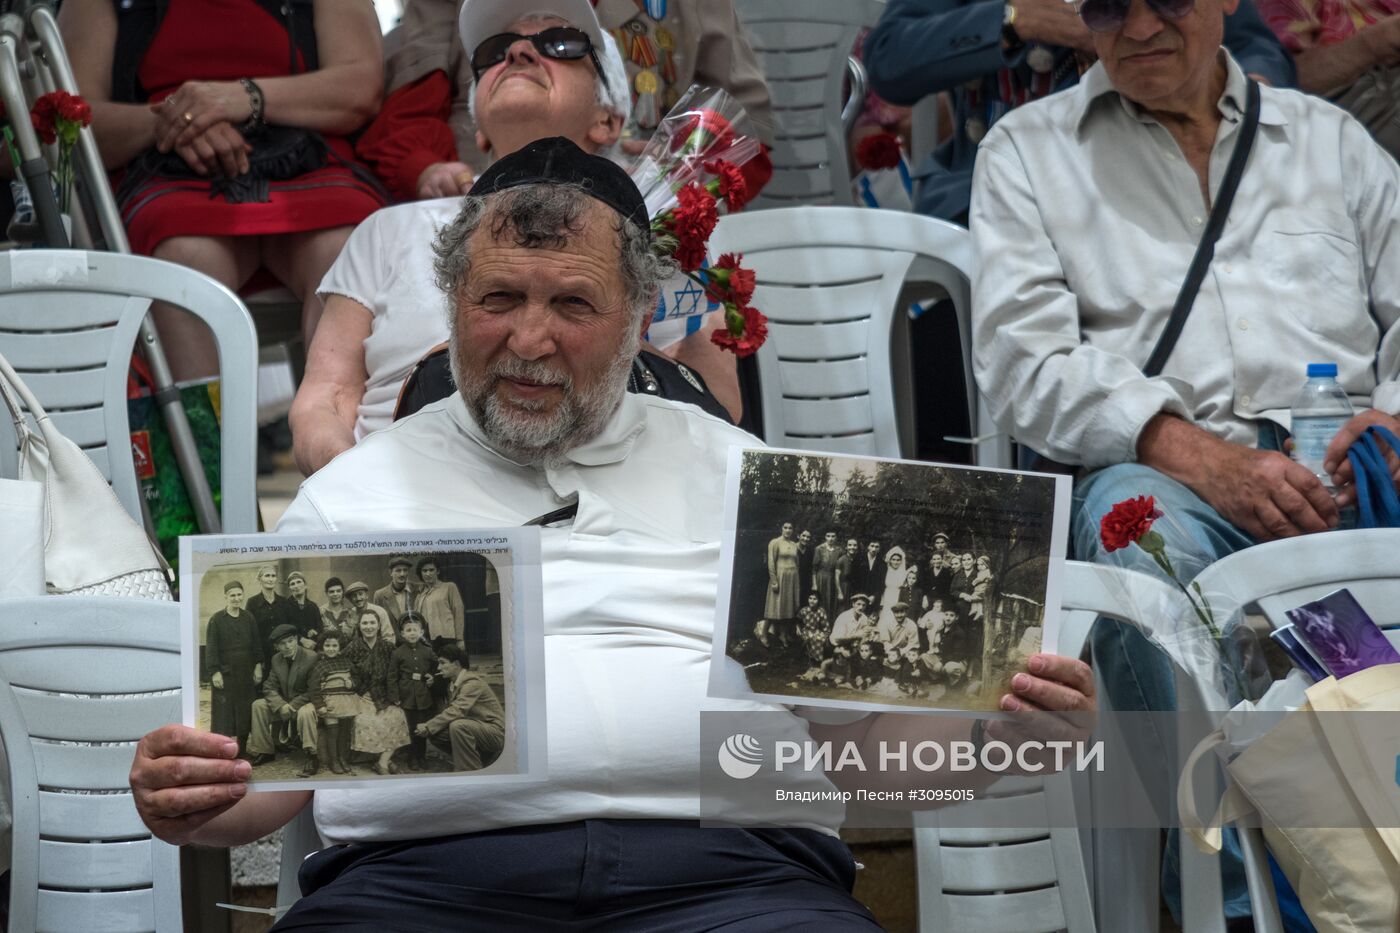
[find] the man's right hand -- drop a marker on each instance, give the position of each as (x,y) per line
(1262,492)
(182,778)
(445,180)
(217,681)
(1051,22)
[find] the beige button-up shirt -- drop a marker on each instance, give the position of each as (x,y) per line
(1085,216)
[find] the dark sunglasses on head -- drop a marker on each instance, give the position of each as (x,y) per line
(1109,15)
(562,43)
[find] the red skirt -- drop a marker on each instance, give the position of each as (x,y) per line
(331,196)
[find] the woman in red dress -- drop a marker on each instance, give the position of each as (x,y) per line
(191,97)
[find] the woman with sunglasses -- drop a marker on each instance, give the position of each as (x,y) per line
(383,312)
(228,121)
(382,309)
(423,144)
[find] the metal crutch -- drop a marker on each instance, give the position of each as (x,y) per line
(89,160)
(33,167)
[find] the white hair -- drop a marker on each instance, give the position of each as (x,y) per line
(613,92)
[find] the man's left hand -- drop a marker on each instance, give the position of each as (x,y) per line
(1050,685)
(1339,467)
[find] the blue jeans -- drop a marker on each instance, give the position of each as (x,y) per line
(1137,675)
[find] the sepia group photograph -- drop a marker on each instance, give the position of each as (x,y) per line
(347,659)
(866,583)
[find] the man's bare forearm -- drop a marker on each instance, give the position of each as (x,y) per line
(1175,448)
(252,818)
(1331,68)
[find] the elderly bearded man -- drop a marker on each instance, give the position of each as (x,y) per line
(383,312)
(1086,212)
(551,278)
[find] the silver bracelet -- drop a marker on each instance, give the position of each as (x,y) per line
(255,99)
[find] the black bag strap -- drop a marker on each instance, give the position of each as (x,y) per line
(1205,250)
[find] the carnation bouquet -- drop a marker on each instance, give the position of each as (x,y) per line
(58,117)
(1217,649)
(690,167)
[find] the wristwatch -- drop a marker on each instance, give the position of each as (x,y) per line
(1010,41)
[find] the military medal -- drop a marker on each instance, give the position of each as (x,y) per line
(975,128)
(1040,59)
(646,111)
(656,9)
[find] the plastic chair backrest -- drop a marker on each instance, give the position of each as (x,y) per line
(73,672)
(963,871)
(1281,575)
(802,46)
(68,324)
(833,282)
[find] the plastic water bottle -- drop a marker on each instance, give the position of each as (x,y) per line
(1319,412)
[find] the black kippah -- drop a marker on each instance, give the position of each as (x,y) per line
(558,160)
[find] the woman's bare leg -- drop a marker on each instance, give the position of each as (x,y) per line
(300,261)
(188,344)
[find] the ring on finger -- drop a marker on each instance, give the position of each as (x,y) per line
(189,117)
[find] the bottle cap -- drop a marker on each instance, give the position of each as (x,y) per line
(1322,369)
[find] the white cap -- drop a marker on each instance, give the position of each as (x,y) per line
(482,19)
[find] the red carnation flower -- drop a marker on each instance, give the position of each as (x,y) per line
(878,151)
(731,183)
(74,109)
(691,222)
(1127,522)
(703,130)
(747,342)
(44,116)
(729,282)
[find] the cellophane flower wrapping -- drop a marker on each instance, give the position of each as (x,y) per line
(706,125)
(1178,617)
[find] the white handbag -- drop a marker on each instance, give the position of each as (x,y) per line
(91,547)
(1326,795)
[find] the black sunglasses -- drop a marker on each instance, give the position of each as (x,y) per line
(562,43)
(1109,15)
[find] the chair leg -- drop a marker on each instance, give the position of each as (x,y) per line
(205,880)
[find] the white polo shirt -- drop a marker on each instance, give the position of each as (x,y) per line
(629,601)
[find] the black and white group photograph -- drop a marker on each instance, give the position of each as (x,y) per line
(881,583)
(331,667)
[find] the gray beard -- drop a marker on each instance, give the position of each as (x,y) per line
(523,431)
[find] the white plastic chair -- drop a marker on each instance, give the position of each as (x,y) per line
(1281,575)
(833,282)
(68,324)
(804,47)
(1284,574)
(76,671)
(963,873)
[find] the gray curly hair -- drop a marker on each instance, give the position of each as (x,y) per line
(546,216)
